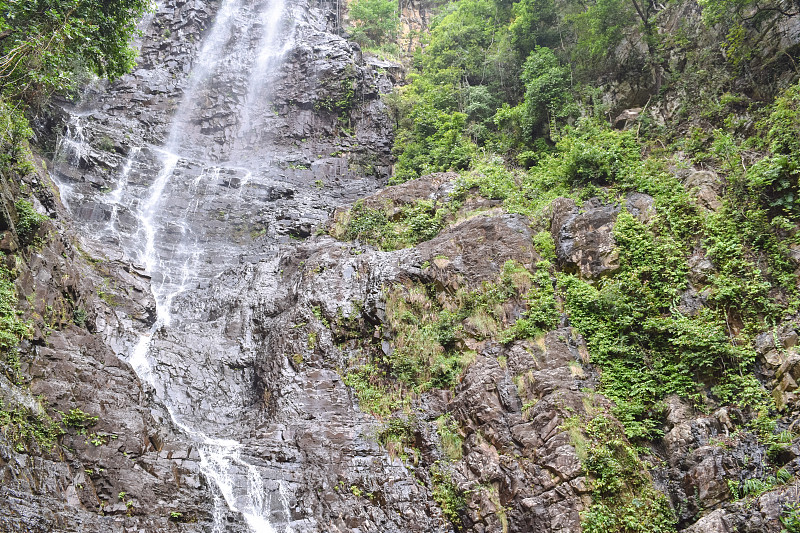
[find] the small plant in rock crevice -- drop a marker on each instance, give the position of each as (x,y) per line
(450,436)
(28,222)
(24,427)
(790,518)
(449,498)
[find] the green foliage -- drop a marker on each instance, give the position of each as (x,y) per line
(426,332)
(462,39)
(15,156)
(744,238)
(79,317)
(755,487)
(492,179)
(744,21)
(545,245)
(598,155)
(599,29)
(773,181)
(365,224)
(741,288)
(646,350)
(790,518)
(28,221)
(414,223)
(446,494)
(397,436)
(450,436)
(535,23)
(341,103)
(588,154)
(23,428)
(547,91)
(542,314)
(644,338)
(623,497)
(12,328)
(374,22)
(375,393)
(468,70)
(783,123)
(423,354)
(435,143)
(77,419)
(47,44)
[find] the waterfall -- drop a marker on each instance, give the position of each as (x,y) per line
(157,212)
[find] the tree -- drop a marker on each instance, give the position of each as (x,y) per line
(465,38)
(46,44)
(604,24)
(747,21)
(536,23)
(374,22)
(747,10)
(547,91)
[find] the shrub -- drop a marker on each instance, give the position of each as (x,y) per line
(624,499)
(446,494)
(547,91)
(12,328)
(28,222)
(436,143)
(790,518)
(24,427)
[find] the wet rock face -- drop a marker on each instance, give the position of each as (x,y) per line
(518,467)
(85,309)
(221,147)
(253,135)
(526,457)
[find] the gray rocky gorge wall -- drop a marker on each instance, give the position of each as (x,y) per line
(243,126)
(214,347)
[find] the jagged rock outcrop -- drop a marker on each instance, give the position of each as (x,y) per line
(518,465)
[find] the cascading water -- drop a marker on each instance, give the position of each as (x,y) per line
(147,214)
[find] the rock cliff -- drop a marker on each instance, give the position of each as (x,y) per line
(238,329)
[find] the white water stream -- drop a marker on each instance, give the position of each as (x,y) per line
(239,486)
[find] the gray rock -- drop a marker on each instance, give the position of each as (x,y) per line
(706,187)
(584,237)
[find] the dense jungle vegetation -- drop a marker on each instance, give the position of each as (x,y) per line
(521,99)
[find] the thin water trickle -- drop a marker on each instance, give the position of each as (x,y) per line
(115,198)
(270,52)
(150,216)
(146,218)
(211,53)
(72,145)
